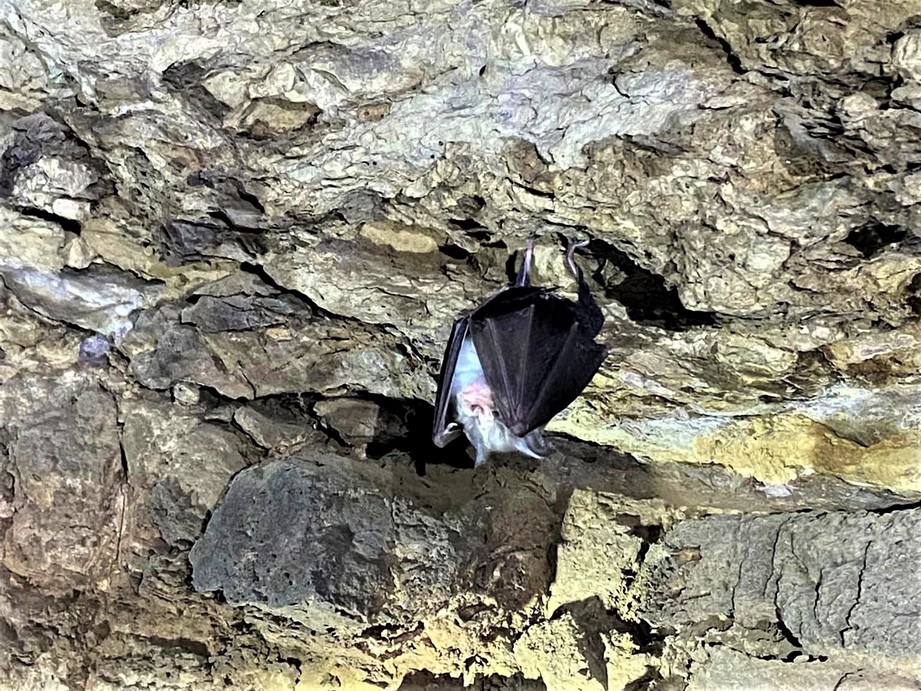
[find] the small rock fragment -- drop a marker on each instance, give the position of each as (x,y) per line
(94,350)
(185,393)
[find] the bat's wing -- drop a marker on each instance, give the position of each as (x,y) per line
(445,430)
(538,353)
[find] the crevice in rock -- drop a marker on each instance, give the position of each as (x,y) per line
(798,657)
(408,428)
(734,61)
(785,631)
(536,191)
(68,224)
(871,238)
(250,198)
(653,679)
(259,271)
(858,595)
(648,533)
(466,224)
(895,508)
(644,294)
(331,432)
(455,252)
(187,645)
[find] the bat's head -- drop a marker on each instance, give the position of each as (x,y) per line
(476,412)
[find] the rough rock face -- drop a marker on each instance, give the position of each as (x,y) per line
(234,236)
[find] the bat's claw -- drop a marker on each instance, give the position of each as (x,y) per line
(524,275)
(571,247)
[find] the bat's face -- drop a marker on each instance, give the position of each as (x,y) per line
(475,400)
(488,435)
(476,412)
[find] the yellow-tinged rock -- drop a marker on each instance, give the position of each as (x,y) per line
(78,255)
(316,677)
(597,549)
(558,653)
(777,448)
(106,240)
(891,273)
(400,237)
(272,680)
(772,448)
(624,664)
(894,462)
(27,241)
(551,651)
(873,345)
(753,358)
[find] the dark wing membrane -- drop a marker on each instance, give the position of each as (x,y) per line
(509,301)
(442,430)
(537,354)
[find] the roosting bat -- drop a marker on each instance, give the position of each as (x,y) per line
(516,361)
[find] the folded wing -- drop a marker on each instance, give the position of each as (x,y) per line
(444,429)
(538,353)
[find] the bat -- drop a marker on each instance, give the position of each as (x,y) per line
(516,361)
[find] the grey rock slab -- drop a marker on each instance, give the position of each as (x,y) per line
(277,423)
(292,533)
(178,464)
(842,584)
(347,280)
(362,422)
(255,346)
(99,299)
(237,313)
(322,358)
(327,553)
(181,355)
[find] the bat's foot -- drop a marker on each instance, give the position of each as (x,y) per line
(524,275)
(571,248)
(534,445)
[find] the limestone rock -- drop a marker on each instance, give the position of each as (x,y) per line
(62,505)
(835,585)
(317,545)
(233,240)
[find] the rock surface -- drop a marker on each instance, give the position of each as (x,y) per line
(235,236)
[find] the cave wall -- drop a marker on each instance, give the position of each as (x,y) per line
(234,237)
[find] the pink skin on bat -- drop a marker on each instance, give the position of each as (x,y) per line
(476,412)
(476,399)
